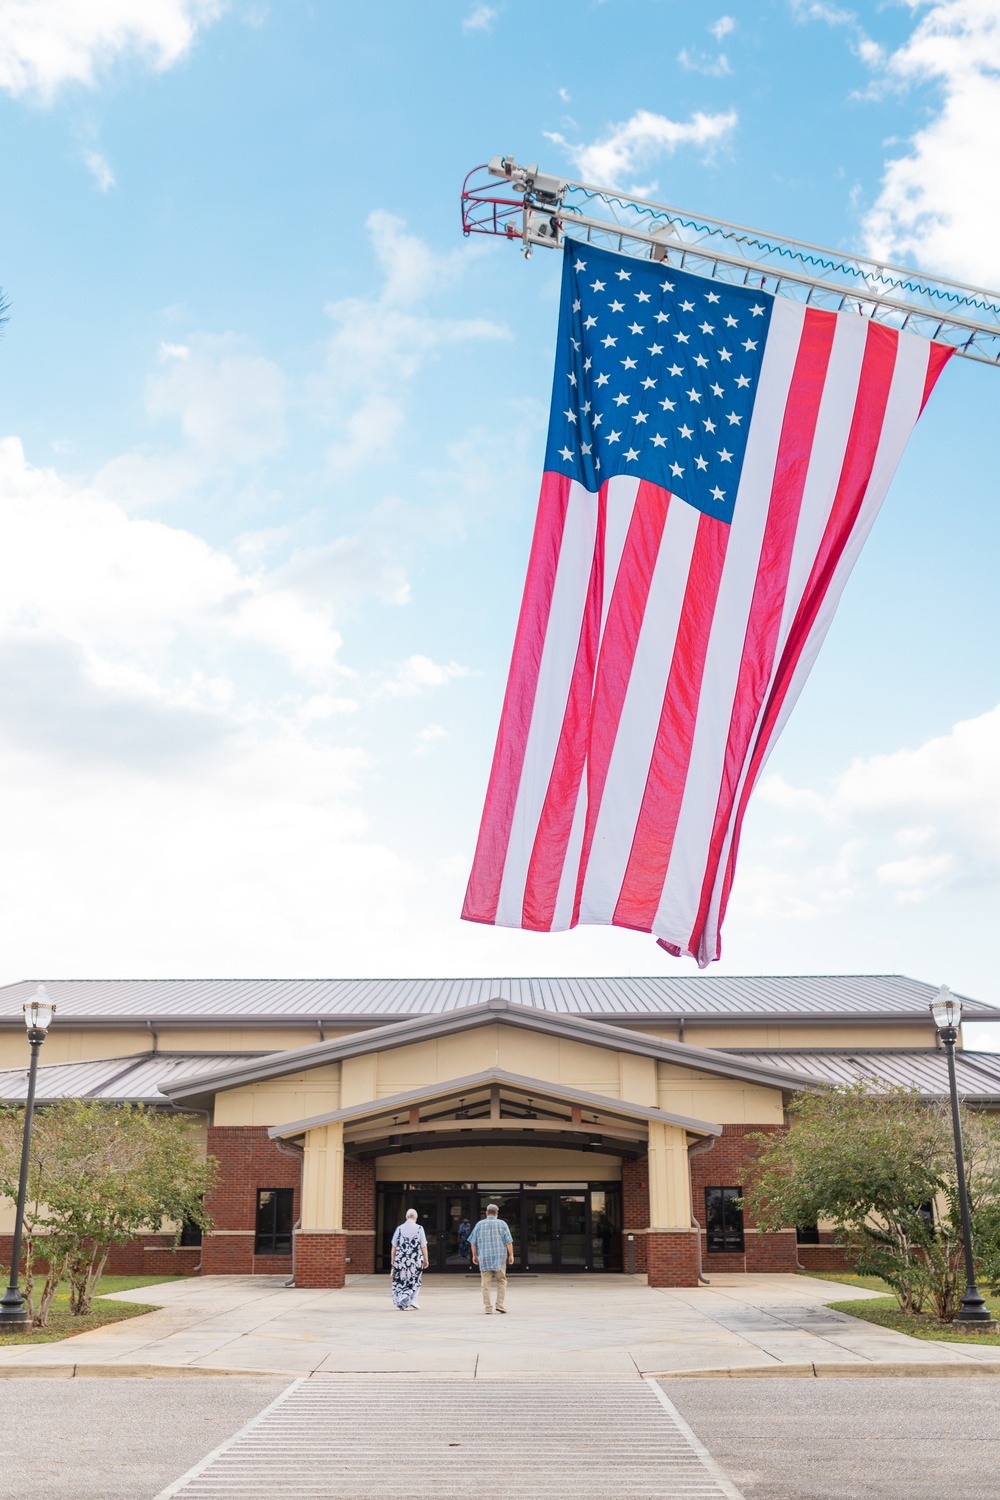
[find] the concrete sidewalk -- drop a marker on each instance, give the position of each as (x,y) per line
(600,1326)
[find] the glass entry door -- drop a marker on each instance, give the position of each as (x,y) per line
(539,1238)
(555,1231)
(573,1228)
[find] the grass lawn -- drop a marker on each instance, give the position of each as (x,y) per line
(63,1325)
(887,1313)
(848,1278)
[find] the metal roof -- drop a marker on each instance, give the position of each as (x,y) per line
(368,1001)
(130,1080)
(978,1073)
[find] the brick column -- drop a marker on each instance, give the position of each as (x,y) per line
(320,1258)
(672,1257)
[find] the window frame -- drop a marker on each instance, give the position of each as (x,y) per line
(269,1239)
(733,1235)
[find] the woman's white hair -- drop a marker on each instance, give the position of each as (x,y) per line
(411,1213)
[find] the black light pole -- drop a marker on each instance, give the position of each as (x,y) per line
(973,1313)
(38,1013)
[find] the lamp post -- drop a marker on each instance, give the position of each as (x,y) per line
(38,1012)
(973,1314)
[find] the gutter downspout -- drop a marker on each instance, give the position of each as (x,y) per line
(290,1149)
(700,1148)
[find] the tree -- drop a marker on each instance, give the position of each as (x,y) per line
(879,1164)
(100,1174)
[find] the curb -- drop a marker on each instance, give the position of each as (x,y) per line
(126,1372)
(845,1371)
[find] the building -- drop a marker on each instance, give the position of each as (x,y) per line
(611,1119)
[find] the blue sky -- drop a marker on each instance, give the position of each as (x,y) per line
(272,433)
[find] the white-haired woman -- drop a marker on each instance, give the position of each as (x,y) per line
(409,1262)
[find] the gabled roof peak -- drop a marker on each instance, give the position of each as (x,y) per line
(426,1028)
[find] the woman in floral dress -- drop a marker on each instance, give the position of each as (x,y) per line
(409,1262)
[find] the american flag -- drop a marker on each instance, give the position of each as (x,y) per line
(715,460)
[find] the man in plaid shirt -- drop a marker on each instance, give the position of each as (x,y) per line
(492,1251)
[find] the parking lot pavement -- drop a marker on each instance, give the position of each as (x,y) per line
(880,1439)
(117,1439)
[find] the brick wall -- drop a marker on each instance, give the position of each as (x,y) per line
(150,1255)
(728,1164)
(826,1256)
(248,1160)
(359,1216)
(320,1259)
(635,1209)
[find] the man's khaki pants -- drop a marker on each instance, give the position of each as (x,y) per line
(489,1278)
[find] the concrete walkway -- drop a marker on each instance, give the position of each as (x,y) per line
(606,1326)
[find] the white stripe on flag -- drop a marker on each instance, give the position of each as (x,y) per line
(562,637)
(640,717)
(682,888)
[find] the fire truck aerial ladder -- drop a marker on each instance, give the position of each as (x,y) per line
(535,208)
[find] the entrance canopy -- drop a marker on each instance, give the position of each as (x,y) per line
(495,1107)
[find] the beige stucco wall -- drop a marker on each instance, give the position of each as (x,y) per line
(297,1096)
(66,1043)
(601,1070)
(533,1054)
(856,1034)
(723,1101)
(499,1164)
(84,1044)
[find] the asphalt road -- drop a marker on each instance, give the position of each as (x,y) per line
(863,1439)
(117,1439)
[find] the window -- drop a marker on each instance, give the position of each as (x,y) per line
(807,1234)
(723,1220)
(274,1221)
(190,1233)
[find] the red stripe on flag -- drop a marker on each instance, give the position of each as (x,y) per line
(483,893)
(664,791)
(618,647)
(555,822)
(798,430)
(936,361)
(877,369)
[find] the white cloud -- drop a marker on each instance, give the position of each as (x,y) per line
(381,342)
(700,62)
(479,19)
(722,27)
(100,169)
(935,202)
(228,404)
(170,749)
(126,595)
(612,160)
(937,805)
(431,734)
(418,673)
(46,44)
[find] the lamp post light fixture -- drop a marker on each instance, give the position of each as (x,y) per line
(973,1315)
(38,1013)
